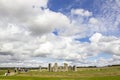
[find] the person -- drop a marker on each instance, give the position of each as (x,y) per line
(7,73)
(15,71)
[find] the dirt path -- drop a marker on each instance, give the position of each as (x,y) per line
(12,73)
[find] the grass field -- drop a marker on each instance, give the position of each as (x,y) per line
(107,73)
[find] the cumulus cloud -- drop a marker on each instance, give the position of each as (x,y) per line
(47,21)
(29,13)
(61,48)
(69,49)
(93,21)
(107,44)
(81,12)
(96,37)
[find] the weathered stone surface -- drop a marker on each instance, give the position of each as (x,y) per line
(74,68)
(55,67)
(65,67)
(49,67)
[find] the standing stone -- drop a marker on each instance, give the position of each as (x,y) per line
(15,70)
(59,69)
(40,68)
(49,67)
(74,68)
(65,67)
(70,68)
(55,67)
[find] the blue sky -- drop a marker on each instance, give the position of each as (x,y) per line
(66,5)
(94,6)
(79,32)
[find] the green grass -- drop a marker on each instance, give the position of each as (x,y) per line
(58,78)
(2,72)
(108,73)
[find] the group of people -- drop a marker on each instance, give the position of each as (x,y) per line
(21,70)
(15,71)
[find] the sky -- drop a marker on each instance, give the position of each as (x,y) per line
(77,32)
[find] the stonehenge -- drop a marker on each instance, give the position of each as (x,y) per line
(64,68)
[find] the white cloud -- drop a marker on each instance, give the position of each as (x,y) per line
(28,13)
(93,21)
(106,44)
(44,49)
(96,37)
(47,21)
(68,49)
(58,47)
(81,12)
(17,10)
